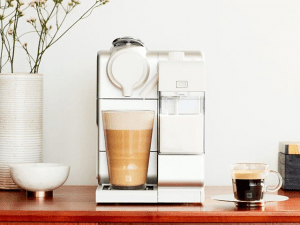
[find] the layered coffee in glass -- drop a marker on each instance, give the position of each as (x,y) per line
(128,140)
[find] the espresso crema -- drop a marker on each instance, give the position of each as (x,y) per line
(248,174)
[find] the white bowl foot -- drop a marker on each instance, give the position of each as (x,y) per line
(39,194)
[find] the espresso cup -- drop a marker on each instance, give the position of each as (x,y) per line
(248,180)
(128,140)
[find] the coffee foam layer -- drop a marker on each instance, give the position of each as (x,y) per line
(128,120)
(248,174)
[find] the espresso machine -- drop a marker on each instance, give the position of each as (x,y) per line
(171,83)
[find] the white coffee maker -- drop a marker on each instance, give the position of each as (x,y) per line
(172,84)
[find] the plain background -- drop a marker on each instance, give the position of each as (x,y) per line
(252,55)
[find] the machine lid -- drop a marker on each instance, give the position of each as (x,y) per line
(127,40)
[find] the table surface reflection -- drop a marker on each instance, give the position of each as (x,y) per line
(77,204)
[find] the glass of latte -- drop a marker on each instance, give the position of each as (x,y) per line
(128,140)
(248,180)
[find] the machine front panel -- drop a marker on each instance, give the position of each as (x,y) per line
(180,170)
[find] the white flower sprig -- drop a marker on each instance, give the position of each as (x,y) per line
(47,25)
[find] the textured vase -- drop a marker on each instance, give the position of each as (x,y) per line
(21,122)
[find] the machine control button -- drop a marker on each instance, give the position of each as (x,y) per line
(181,84)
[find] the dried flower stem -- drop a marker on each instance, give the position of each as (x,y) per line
(10,37)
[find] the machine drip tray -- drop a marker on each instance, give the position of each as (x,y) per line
(105,194)
(146,188)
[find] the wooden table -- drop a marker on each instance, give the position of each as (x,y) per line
(76,204)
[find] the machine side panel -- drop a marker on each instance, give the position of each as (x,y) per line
(102,79)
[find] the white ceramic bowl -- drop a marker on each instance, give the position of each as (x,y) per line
(39,176)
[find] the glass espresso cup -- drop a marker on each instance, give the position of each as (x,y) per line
(128,140)
(248,180)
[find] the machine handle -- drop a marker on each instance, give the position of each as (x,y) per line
(149,87)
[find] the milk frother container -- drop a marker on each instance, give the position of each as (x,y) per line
(170,83)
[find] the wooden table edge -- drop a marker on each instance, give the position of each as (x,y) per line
(149,217)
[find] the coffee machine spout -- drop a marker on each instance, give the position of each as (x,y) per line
(149,87)
(126,91)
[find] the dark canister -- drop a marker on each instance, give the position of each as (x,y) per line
(289,165)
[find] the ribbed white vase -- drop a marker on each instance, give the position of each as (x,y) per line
(21,122)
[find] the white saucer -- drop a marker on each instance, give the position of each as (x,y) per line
(261,203)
